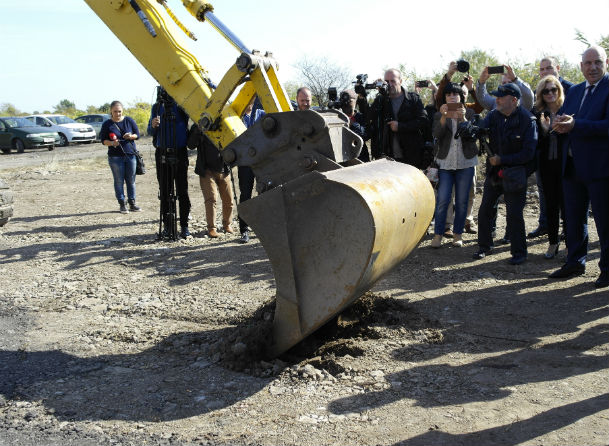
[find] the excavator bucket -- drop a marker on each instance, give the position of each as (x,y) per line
(330,225)
(331,235)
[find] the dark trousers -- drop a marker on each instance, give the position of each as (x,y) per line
(246,186)
(578,195)
(550,172)
(514,204)
(172,174)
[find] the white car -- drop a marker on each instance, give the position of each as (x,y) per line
(68,129)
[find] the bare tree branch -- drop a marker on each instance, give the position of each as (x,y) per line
(319,74)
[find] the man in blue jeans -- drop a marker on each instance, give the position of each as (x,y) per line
(512,140)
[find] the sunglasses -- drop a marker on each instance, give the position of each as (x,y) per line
(553,90)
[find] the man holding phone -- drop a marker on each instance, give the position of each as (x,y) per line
(508,76)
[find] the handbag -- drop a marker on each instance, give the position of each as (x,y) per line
(514,178)
(140,166)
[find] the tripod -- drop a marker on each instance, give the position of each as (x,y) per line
(167,159)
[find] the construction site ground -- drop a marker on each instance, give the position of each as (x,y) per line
(110,337)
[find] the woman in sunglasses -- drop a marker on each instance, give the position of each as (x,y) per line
(549,98)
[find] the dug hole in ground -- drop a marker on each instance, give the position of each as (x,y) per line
(110,337)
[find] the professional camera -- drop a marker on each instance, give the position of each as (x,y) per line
(462,66)
(334,101)
(469,131)
(163,97)
(360,86)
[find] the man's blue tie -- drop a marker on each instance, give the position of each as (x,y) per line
(589,89)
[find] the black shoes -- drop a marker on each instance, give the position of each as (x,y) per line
(537,232)
(185,233)
(481,253)
(133,207)
(569,270)
(603,280)
(123,207)
(517,260)
(245,237)
(504,241)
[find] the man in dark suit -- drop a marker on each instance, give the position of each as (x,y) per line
(584,122)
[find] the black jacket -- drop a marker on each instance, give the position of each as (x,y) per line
(208,155)
(412,122)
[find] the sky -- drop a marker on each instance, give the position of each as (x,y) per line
(60,49)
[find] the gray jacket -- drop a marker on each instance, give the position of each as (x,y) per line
(444,135)
(488,101)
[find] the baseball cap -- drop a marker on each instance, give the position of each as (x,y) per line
(509,89)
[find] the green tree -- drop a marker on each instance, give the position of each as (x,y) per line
(603,41)
(140,112)
(8,109)
(66,107)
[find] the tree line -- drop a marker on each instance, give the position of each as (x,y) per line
(320,73)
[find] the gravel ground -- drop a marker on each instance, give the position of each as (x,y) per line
(112,338)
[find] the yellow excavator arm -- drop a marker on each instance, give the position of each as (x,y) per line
(331,225)
(159,41)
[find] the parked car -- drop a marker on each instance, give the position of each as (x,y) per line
(68,129)
(94,121)
(19,134)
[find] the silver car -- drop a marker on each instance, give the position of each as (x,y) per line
(94,121)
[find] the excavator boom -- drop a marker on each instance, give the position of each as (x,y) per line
(331,225)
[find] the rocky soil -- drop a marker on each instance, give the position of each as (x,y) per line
(109,337)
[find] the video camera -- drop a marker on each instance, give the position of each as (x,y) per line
(360,86)
(334,101)
(163,97)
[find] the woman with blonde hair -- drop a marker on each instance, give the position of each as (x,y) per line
(549,98)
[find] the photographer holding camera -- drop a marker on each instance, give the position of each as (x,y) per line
(168,126)
(467,84)
(457,157)
(397,124)
(513,141)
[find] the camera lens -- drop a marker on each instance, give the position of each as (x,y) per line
(462,66)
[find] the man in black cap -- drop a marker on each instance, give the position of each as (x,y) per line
(512,141)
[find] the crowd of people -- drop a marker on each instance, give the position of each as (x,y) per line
(559,131)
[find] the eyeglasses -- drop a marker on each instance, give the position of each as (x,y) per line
(553,90)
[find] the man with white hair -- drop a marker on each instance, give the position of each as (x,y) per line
(397,123)
(584,122)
